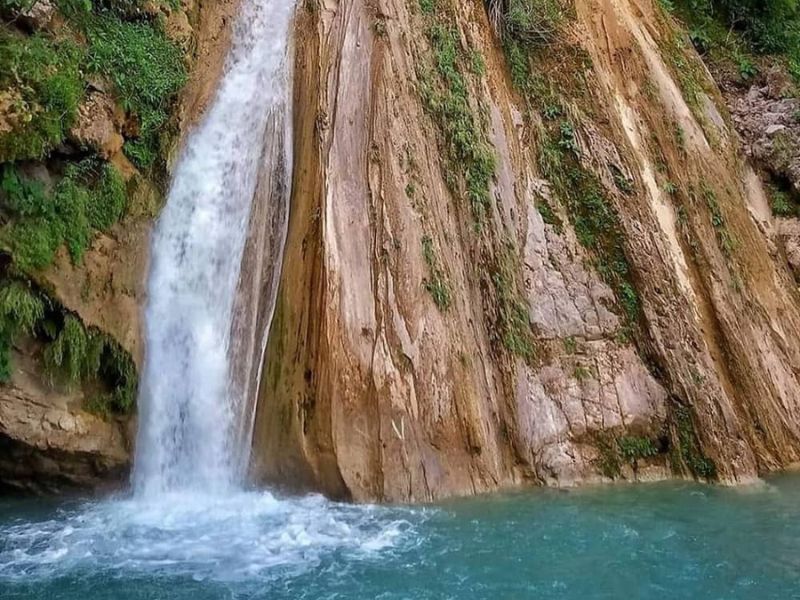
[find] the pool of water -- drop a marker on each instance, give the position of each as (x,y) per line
(655,541)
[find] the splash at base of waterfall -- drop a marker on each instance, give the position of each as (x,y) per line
(230,537)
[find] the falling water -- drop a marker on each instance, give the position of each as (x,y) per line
(192,401)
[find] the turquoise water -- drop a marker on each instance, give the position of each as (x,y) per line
(656,541)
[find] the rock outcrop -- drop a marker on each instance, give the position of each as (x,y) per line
(397,369)
(49,444)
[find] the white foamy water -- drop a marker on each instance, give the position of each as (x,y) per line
(189,407)
(233,537)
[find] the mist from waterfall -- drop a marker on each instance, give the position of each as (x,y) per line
(190,405)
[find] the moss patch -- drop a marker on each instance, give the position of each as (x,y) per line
(444,91)
(90,197)
(436,284)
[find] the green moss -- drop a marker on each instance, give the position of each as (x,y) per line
(42,79)
(593,218)
(512,321)
(444,92)
(688,450)
(436,284)
(90,197)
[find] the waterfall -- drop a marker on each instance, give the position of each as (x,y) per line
(202,350)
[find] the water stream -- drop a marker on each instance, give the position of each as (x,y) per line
(191,404)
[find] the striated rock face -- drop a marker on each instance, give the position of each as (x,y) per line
(393,371)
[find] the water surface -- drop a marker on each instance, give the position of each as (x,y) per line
(655,541)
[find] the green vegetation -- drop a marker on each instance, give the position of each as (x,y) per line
(90,197)
(782,203)
(71,353)
(688,72)
(735,31)
(688,451)
(595,221)
(436,284)
(549,215)
(633,448)
(443,87)
(533,22)
(41,82)
(512,312)
(43,78)
(582,373)
(726,241)
(549,90)
(145,67)
(630,449)
(20,311)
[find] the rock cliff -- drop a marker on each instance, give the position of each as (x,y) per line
(529,242)
(518,255)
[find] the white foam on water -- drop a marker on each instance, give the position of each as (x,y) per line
(230,537)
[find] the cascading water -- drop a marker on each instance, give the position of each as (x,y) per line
(189,515)
(190,405)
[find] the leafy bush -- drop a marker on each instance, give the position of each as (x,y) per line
(20,311)
(45,74)
(147,70)
(766,26)
(633,448)
(91,196)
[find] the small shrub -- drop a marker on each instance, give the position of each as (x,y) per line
(633,448)
(436,285)
(46,73)
(91,196)
(781,204)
